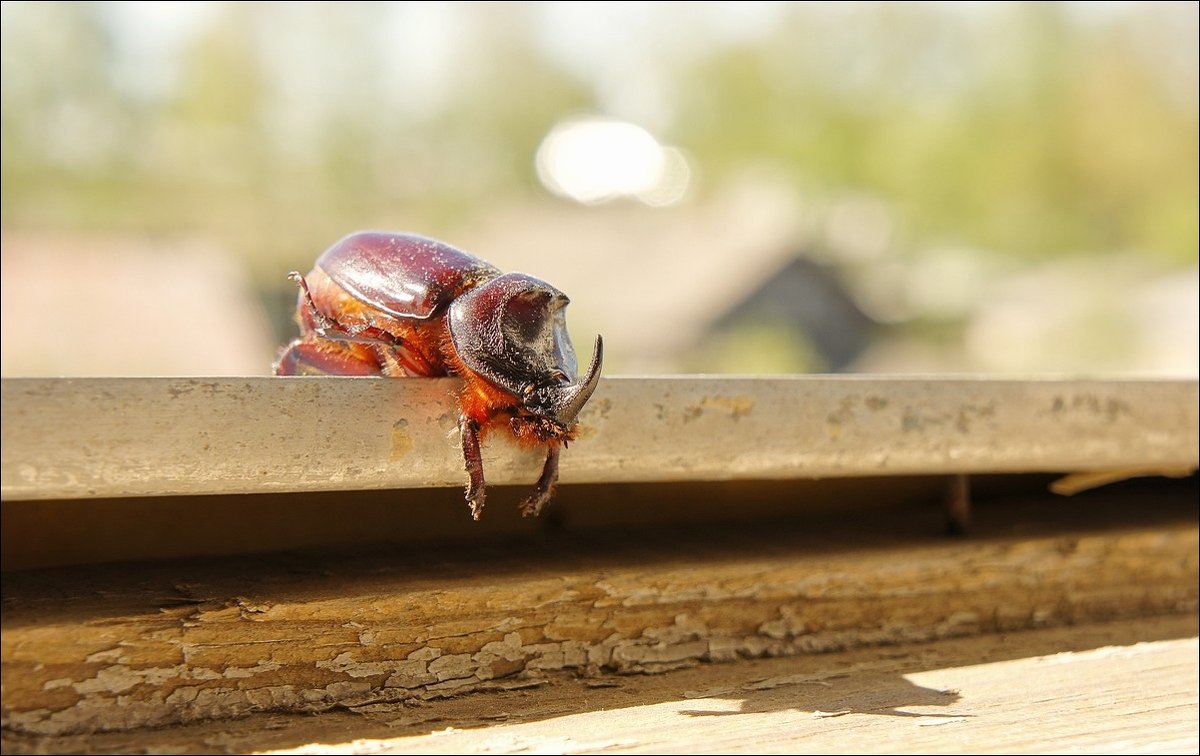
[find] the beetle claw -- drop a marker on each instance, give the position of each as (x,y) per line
(544,490)
(533,504)
(476,504)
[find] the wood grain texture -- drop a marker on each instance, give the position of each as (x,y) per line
(1127,686)
(95,437)
(95,649)
(1140,698)
(1091,701)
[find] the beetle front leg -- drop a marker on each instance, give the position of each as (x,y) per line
(473,457)
(544,490)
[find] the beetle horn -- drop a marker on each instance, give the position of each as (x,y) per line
(574,397)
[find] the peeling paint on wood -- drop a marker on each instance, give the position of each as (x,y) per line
(320,633)
(1091,696)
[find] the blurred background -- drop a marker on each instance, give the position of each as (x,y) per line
(747,187)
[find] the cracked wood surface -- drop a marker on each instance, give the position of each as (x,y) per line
(111,437)
(1126,686)
(118,647)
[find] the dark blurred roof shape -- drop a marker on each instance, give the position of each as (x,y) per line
(806,298)
(654,282)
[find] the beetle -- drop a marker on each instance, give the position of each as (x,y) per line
(403,305)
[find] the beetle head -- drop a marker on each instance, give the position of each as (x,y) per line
(512,331)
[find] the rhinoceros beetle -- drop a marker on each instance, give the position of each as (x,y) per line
(402,305)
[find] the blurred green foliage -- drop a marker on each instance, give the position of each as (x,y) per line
(1022,132)
(1031,130)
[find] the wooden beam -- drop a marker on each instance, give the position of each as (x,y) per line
(95,437)
(117,647)
(1126,686)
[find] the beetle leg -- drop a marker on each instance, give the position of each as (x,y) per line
(400,360)
(544,489)
(389,361)
(313,358)
(324,322)
(328,327)
(469,429)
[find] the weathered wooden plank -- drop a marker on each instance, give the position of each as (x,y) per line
(71,438)
(1093,701)
(110,648)
(1126,686)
